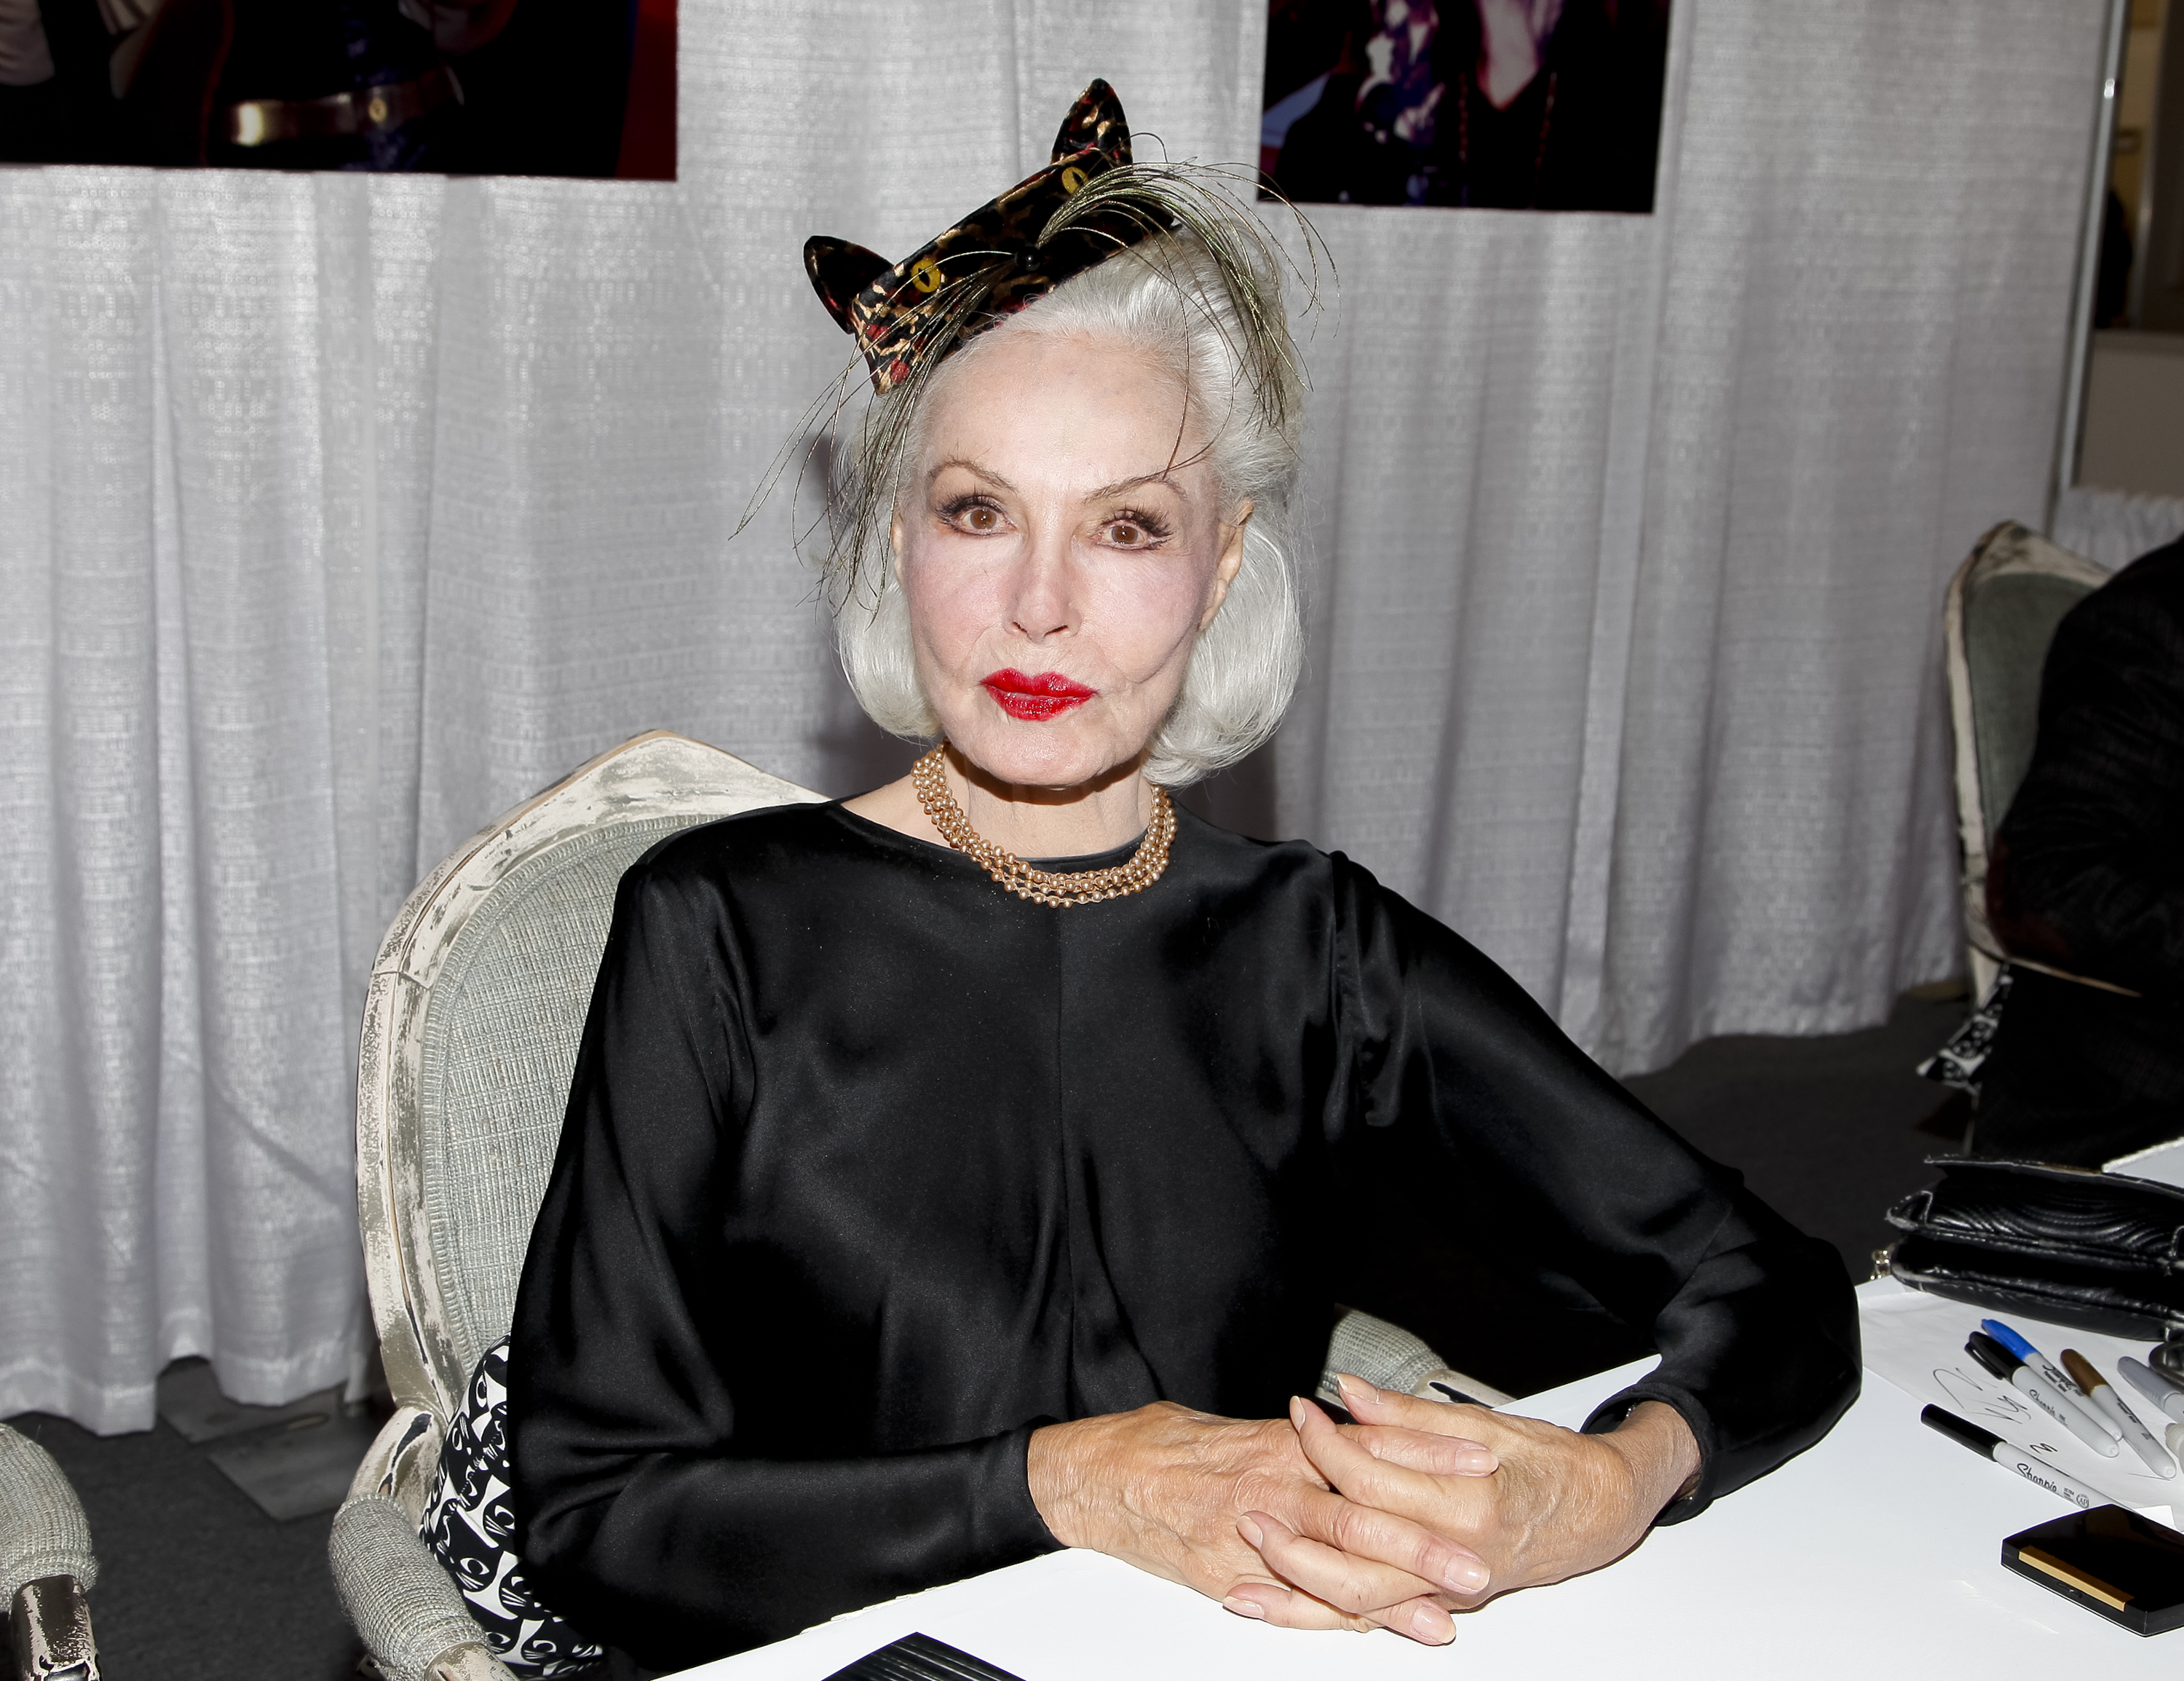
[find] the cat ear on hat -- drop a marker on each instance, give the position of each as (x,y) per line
(839,270)
(1096,121)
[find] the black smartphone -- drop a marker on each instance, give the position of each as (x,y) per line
(2114,1562)
(920,1657)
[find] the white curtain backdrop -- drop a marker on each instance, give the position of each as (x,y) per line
(336,514)
(2115,526)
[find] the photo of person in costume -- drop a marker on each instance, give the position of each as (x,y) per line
(537,87)
(948,1170)
(1497,104)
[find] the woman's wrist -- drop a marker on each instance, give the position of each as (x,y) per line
(1054,1472)
(1663,1455)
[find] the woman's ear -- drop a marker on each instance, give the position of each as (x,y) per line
(1232,562)
(895,540)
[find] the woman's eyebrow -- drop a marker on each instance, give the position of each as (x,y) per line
(1165,475)
(971,467)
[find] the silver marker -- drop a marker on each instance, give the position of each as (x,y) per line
(2153,1385)
(2103,1395)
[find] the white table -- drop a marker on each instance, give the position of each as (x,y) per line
(1877,1553)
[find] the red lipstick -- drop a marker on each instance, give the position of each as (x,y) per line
(1036,699)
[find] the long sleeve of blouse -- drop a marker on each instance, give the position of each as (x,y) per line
(1565,1173)
(657,1530)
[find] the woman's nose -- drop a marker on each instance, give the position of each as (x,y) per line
(1041,603)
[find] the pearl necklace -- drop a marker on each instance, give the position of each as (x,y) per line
(1042,887)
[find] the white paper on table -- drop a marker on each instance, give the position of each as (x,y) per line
(1917,1343)
(2164,1164)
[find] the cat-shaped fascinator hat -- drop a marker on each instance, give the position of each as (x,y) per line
(1089,202)
(992,263)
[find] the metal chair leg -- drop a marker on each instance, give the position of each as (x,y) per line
(52,1628)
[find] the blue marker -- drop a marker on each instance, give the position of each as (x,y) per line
(2054,1377)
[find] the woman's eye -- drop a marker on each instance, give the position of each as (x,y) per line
(1128,534)
(977,516)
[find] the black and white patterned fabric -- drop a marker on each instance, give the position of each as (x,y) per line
(1958,1062)
(470,1528)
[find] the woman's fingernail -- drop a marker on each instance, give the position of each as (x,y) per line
(1355,1392)
(1464,1576)
(1250,1532)
(1432,1625)
(1253,1608)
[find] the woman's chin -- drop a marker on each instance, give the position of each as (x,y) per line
(1042,754)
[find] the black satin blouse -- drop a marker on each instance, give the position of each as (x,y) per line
(870,1169)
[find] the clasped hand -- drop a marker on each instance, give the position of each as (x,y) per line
(1417,1509)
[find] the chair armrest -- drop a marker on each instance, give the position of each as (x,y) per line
(400,1461)
(1388,1357)
(408,1613)
(43,1532)
(51,1626)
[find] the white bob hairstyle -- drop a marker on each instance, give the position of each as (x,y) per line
(1167,300)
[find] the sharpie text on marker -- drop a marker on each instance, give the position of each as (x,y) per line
(1988,1445)
(2065,1387)
(2001,1362)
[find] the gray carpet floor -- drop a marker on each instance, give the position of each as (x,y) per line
(1828,1130)
(199,1584)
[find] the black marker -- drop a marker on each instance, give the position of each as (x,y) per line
(1988,1445)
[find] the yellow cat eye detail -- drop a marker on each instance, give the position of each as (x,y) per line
(925,274)
(1071,179)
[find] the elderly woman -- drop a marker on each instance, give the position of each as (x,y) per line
(946,1170)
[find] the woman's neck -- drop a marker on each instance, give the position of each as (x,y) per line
(1109,812)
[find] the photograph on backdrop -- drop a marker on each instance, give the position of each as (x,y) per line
(505,87)
(1495,104)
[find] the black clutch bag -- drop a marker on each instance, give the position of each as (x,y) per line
(2096,1250)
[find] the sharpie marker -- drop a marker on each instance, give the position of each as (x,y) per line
(1988,1445)
(2135,1435)
(2001,1363)
(2153,1385)
(2050,1374)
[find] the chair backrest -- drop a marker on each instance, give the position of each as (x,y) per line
(2004,606)
(471,1027)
